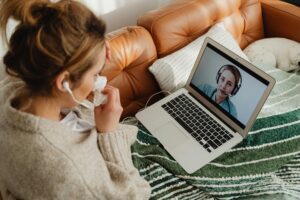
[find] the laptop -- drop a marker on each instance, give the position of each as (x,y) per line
(213,112)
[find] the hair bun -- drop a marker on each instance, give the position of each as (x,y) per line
(23,10)
(43,12)
(34,11)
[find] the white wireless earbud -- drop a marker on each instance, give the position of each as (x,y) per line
(86,104)
(66,86)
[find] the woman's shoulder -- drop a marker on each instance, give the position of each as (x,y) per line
(231,103)
(33,154)
(232,107)
(206,87)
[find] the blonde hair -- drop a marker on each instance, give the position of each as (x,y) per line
(50,38)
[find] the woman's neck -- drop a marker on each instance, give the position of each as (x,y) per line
(43,107)
(220,98)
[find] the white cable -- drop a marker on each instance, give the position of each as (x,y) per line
(168,92)
(86,103)
(132,120)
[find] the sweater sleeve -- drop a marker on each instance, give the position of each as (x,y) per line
(115,146)
(115,149)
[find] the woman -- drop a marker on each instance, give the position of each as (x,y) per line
(40,156)
(228,83)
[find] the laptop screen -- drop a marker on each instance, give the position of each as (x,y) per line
(227,84)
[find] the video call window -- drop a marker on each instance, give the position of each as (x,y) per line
(232,88)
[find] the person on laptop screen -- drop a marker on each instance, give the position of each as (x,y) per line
(229,81)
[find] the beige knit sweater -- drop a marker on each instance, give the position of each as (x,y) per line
(42,159)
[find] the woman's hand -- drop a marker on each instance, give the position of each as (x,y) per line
(107,116)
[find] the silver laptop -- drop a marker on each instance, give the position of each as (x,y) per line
(213,112)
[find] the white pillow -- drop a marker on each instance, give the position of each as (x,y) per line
(171,72)
(275,52)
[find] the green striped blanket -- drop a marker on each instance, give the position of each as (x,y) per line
(264,165)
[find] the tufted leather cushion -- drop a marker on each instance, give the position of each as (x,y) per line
(177,24)
(133,51)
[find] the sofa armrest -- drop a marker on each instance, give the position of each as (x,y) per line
(281,19)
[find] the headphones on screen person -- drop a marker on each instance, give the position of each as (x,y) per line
(237,76)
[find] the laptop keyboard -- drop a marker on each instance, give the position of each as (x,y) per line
(199,124)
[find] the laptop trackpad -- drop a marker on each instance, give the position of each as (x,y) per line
(170,135)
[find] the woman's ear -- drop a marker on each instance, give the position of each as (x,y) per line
(63,76)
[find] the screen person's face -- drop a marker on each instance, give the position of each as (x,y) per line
(226,83)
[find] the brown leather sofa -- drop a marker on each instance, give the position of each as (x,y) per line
(167,29)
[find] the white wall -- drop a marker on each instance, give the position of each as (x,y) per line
(119,13)
(116,13)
